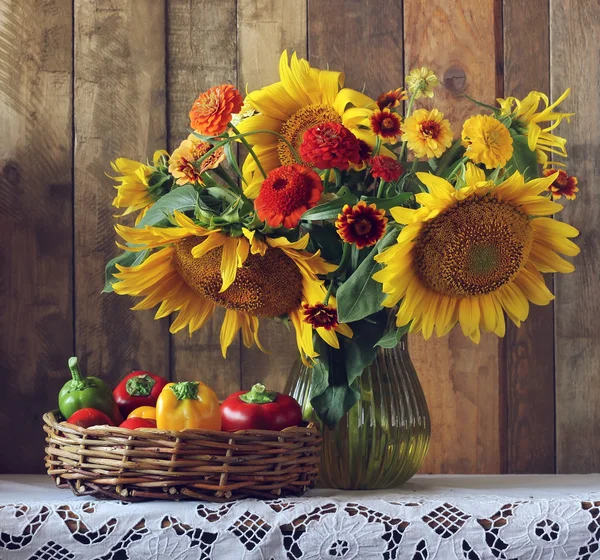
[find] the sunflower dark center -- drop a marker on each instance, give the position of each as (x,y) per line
(474,247)
(267,286)
(294,128)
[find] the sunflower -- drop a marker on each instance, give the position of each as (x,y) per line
(134,189)
(195,270)
(469,255)
(526,117)
(427,133)
(305,97)
(487,141)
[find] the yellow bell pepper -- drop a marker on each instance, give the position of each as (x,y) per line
(188,405)
(148,412)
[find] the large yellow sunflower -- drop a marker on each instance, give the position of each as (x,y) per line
(305,97)
(525,113)
(469,255)
(195,270)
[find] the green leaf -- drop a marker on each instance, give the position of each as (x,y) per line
(523,160)
(182,199)
(361,349)
(452,152)
(360,296)
(329,210)
(481,104)
(326,239)
(387,203)
(127,258)
(233,161)
(392,338)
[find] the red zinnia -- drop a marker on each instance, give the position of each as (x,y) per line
(286,194)
(385,123)
(361,224)
(564,185)
(386,167)
(320,316)
(330,145)
(391,99)
(211,112)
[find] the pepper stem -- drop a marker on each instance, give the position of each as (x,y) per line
(140,385)
(259,395)
(185,390)
(75,371)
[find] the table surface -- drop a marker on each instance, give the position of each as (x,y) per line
(444,517)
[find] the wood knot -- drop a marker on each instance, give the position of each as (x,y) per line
(11,173)
(455,80)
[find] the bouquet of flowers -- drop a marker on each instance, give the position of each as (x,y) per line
(345,206)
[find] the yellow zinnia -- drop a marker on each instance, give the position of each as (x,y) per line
(196,270)
(470,255)
(421,81)
(427,133)
(487,141)
(305,97)
(134,192)
(526,116)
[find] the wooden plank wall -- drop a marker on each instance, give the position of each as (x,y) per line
(85,81)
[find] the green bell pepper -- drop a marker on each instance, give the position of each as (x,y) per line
(85,392)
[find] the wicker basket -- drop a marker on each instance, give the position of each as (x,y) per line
(135,465)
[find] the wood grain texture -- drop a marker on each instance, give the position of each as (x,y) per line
(119,112)
(36,249)
(575,51)
(201,54)
(265,29)
(529,355)
(460,380)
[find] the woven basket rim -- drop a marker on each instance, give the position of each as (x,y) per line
(50,418)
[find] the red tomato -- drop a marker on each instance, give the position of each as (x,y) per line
(259,409)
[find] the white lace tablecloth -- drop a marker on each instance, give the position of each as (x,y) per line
(431,517)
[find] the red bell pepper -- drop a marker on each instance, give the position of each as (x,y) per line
(139,388)
(259,409)
(86,417)
(135,423)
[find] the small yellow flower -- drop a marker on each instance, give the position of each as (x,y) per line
(421,81)
(427,133)
(487,141)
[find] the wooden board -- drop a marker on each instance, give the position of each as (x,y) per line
(265,29)
(201,54)
(36,249)
(119,112)
(529,356)
(574,39)
(461,380)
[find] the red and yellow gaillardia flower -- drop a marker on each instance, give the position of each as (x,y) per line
(212,111)
(391,99)
(304,97)
(286,193)
(468,256)
(134,192)
(528,119)
(195,270)
(324,320)
(427,133)
(183,166)
(564,185)
(386,168)
(330,145)
(386,123)
(487,141)
(362,224)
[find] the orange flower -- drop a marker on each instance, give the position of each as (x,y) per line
(286,194)
(391,99)
(361,224)
(385,167)
(320,316)
(211,112)
(182,164)
(385,123)
(564,185)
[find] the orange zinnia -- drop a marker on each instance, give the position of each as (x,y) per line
(182,164)
(361,224)
(211,112)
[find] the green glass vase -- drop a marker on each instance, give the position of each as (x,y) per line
(382,441)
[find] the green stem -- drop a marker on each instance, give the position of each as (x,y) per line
(328,294)
(75,371)
(326,181)
(413,167)
(258,395)
(406,115)
(185,390)
(344,260)
(250,150)
(382,185)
